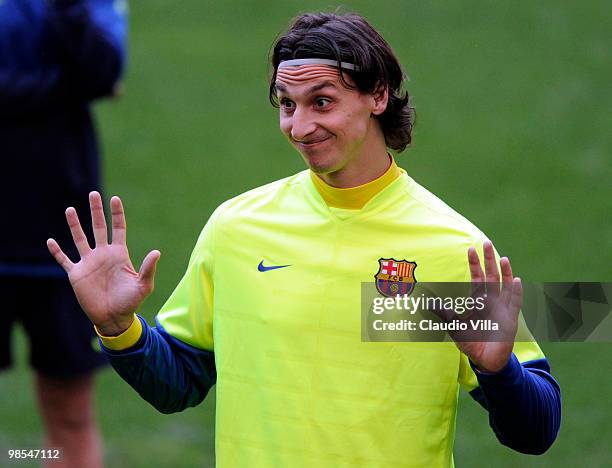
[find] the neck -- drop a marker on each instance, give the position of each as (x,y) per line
(369,164)
(355,198)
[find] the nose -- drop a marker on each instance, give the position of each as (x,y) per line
(302,124)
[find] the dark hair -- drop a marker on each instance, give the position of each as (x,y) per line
(348,37)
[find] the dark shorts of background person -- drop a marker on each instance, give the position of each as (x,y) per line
(62,341)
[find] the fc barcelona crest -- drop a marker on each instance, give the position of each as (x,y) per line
(395,277)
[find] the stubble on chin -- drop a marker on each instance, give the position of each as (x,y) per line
(318,162)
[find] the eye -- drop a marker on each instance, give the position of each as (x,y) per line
(287,104)
(322,102)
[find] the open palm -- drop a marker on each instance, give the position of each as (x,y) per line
(104,280)
(503,301)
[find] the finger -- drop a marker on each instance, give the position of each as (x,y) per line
(506,272)
(475,269)
(118,216)
(491,271)
(476,273)
(76,230)
(148,267)
(97,219)
(516,302)
(59,256)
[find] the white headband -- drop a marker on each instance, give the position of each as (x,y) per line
(316,61)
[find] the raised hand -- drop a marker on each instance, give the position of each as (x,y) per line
(503,305)
(104,280)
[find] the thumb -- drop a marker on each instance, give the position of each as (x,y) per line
(148,267)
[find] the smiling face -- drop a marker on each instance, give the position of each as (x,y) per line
(331,125)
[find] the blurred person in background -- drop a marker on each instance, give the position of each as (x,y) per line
(56,58)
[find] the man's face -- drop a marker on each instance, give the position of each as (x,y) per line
(328,123)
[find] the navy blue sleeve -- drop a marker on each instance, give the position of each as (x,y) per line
(89,37)
(24,92)
(169,374)
(78,55)
(524,404)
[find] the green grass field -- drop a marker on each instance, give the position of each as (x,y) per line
(513,131)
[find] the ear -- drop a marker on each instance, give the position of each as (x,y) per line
(381,99)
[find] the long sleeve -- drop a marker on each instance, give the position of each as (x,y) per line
(59,55)
(172,365)
(524,404)
(24,92)
(169,374)
(90,38)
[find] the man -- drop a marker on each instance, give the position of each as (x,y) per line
(269,308)
(56,58)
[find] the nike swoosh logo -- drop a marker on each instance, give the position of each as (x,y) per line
(261,267)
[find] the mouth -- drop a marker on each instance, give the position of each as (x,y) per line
(311,143)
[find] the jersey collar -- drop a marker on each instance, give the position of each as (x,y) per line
(354,198)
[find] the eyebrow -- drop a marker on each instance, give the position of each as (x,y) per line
(326,84)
